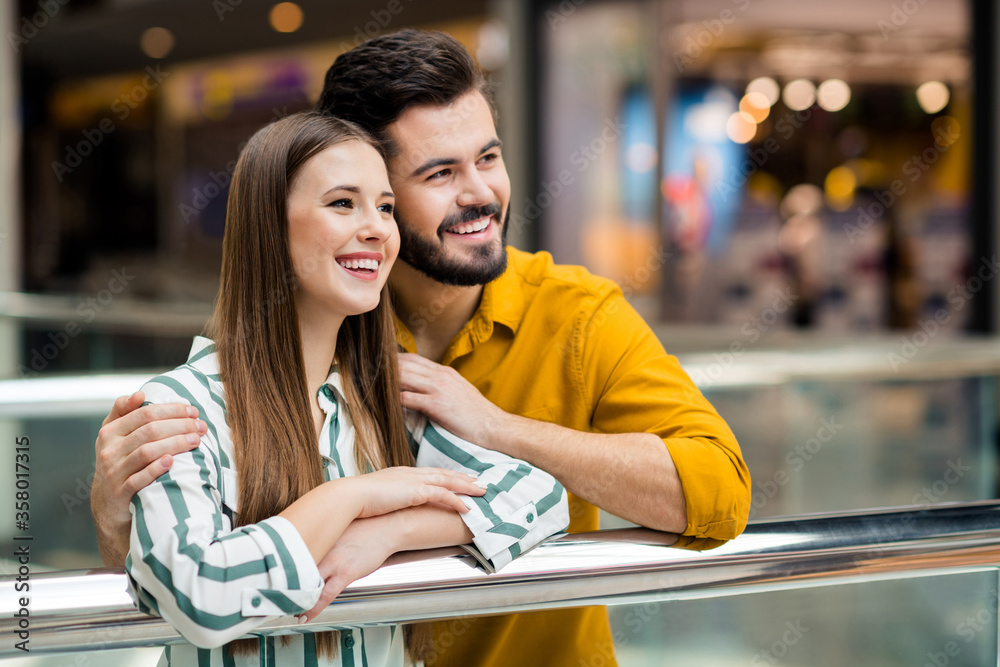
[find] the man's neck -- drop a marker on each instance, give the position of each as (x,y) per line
(432,311)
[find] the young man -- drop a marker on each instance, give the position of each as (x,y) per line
(546,363)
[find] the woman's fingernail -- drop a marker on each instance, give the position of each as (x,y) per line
(192,412)
(165,462)
(302,619)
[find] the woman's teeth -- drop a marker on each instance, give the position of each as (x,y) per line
(470,227)
(369,264)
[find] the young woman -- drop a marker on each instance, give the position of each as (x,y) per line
(304,478)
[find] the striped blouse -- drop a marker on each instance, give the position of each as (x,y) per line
(215,583)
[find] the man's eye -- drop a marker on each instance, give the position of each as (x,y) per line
(342,203)
(439,174)
(491,157)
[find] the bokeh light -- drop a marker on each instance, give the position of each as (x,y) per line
(933,96)
(741,127)
(839,188)
(756,105)
(157,42)
(286,17)
(802,199)
(833,94)
(767,87)
(799,94)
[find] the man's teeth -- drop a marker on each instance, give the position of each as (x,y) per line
(470,227)
(370,264)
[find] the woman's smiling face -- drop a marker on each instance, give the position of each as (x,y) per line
(341,233)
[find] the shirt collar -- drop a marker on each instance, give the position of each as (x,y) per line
(502,303)
(331,393)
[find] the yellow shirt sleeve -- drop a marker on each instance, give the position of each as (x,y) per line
(638,388)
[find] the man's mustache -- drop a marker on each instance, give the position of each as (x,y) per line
(468,214)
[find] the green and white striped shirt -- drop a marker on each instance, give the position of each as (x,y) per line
(214,583)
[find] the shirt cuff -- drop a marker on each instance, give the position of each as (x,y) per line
(303,583)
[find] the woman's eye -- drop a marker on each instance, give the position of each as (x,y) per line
(342,203)
(387,208)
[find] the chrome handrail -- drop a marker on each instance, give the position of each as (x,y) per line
(74,611)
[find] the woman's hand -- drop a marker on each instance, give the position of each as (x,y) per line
(362,548)
(392,489)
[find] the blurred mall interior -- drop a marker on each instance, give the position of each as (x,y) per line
(798,195)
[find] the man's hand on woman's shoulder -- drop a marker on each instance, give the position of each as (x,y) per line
(135,445)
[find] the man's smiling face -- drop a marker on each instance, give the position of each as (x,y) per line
(452,191)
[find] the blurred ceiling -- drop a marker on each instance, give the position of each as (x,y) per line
(91,37)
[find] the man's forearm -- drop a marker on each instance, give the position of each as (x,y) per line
(630,475)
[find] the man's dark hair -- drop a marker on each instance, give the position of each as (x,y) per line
(374,83)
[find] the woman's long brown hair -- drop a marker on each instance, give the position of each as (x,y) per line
(255,326)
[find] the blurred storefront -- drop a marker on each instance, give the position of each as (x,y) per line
(721,157)
(720,160)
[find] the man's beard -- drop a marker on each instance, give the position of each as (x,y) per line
(430,258)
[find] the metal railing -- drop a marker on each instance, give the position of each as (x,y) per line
(89,611)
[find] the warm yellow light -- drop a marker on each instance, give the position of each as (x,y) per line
(756,105)
(839,188)
(799,95)
(286,17)
(833,94)
(156,42)
(741,127)
(933,96)
(767,87)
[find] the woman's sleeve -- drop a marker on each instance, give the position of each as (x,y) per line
(213,584)
(523,505)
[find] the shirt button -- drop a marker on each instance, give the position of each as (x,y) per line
(349,641)
(255,601)
(530,517)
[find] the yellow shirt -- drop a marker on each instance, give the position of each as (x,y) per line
(557,344)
